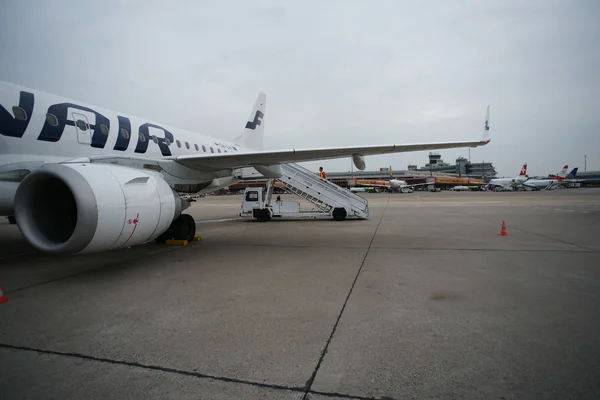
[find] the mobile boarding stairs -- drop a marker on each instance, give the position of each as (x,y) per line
(328,200)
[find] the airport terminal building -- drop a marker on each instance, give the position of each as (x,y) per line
(462,167)
(463,172)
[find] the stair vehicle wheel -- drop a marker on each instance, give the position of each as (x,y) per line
(185,227)
(263,215)
(339,213)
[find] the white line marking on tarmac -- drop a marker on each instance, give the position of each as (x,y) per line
(217,220)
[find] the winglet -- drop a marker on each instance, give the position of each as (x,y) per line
(485,138)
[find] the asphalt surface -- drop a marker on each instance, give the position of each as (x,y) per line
(423,300)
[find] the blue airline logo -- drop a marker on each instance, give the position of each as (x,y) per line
(57,119)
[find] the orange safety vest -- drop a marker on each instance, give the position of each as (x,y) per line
(323,175)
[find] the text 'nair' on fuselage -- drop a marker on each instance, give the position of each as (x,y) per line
(93,128)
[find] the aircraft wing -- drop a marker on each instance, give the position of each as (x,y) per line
(211,162)
(270,157)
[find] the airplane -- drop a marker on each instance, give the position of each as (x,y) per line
(400,186)
(363,189)
(511,183)
(461,188)
(392,185)
(77,178)
(550,183)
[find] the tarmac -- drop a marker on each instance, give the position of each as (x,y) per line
(423,300)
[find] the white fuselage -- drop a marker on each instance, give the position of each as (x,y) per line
(460,188)
(397,184)
(519,180)
(57,130)
(542,183)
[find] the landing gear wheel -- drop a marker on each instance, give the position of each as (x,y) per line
(12,220)
(185,227)
(339,213)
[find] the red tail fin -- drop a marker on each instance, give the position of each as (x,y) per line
(523,170)
(563,173)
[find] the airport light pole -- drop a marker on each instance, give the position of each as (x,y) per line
(585,163)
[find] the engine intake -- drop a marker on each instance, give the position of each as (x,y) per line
(84,208)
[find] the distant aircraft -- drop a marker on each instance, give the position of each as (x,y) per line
(392,185)
(78,178)
(363,189)
(461,188)
(510,183)
(550,183)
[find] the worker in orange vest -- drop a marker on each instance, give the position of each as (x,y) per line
(322,173)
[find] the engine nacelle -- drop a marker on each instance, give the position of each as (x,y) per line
(84,208)
(359,161)
(270,171)
(7,197)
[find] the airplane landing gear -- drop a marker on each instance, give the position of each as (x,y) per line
(183,228)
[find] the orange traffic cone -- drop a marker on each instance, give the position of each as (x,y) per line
(503,231)
(3,298)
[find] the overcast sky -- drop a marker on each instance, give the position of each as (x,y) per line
(335,73)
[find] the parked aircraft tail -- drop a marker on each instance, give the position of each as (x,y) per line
(571,175)
(254,131)
(523,170)
(563,173)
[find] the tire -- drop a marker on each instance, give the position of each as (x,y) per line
(12,220)
(263,215)
(185,227)
(339,214)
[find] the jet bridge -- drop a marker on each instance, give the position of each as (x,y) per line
(328,199)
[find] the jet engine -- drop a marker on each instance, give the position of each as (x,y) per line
(270,171)
(85,208)
(359,161)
